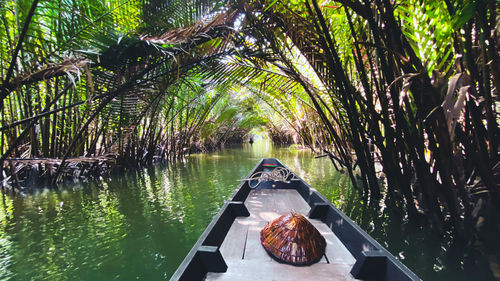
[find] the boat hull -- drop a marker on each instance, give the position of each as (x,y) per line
(370,261)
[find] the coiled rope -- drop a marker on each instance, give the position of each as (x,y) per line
(277,174)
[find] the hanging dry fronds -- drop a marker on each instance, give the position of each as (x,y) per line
(201,28)
(69,66)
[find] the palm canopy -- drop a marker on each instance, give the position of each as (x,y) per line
(407,85)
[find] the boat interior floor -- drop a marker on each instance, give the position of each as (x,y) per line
(246,258)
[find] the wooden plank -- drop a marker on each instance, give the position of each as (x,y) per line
(253,247)
(295,202)
(262,205)
(246,270)
(335,250)
(269,204)
(233,246)
(255,201)
(281,202)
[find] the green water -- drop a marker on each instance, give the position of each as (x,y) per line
(139,226)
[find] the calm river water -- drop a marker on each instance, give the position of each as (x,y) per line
(139,226)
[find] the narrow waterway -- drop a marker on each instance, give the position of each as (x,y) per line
(139,226)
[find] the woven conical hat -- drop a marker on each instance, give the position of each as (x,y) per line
(292,239)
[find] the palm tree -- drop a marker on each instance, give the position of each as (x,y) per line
(367,83)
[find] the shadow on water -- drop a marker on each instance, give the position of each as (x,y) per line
(141,225)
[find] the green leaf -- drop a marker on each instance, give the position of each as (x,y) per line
(464,15)
(270,5)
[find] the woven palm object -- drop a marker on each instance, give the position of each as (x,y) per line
(292,239)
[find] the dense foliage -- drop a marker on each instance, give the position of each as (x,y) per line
(409,89)
(412,87)
(125,80)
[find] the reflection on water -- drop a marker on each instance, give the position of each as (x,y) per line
(139,226)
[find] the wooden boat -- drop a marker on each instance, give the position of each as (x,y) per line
(230,249)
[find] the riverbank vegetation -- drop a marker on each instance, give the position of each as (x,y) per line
(408,90)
